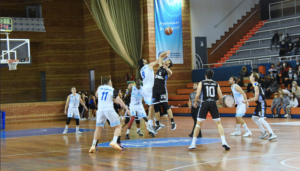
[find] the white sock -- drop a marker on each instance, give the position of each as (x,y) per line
(94,142)
(223,139)
(128,130)
(138,129)
(147,124)
(66,127)
(246,128)
(150,122)
(115,139)
(194,140)
(255,119)
(77,128)
(154,119)
(238,127)
(266,124)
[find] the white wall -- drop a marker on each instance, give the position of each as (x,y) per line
(206,14)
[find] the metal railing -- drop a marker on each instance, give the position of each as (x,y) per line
(244,62)
(284,8)
(198,62)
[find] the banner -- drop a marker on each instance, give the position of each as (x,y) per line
(168,29)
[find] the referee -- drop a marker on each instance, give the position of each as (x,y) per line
(194,111)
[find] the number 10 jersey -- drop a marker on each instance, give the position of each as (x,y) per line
(106,95)
(210,90)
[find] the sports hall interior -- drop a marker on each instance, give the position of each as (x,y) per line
(238,35)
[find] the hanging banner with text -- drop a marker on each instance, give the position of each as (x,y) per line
(168,29)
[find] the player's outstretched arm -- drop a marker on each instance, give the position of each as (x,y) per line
(67,104)
(199,89)
(159,61)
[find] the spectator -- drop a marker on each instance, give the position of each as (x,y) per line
(81,108)
(289,48)
(297,66)
(278,68)
(289,79)
(284,71)
(296,90)
(293,104)
(298,72)
(296,78)
(272,88)
(275,104)
(287,38)
(92,104)
(274,40)
(281,37)
(87,104)
(194,111)
(281,92)
(285,103)
(296,46)
(283,48)
(264,83)
(273,71)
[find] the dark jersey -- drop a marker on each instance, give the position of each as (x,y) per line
(209,90)
(261,97)
(127,99)
(160,79)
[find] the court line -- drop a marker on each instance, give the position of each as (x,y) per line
(283,163)
(231,159)
(42,152)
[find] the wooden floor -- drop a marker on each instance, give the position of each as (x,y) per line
(70,151)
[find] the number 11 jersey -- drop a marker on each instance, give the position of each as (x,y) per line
(106,94)
(209,89)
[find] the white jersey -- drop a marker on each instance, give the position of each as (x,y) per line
(136,96)
(74,100)
(238,97)
(105,97)
(148,76)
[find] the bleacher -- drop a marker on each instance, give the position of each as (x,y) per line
(255,45)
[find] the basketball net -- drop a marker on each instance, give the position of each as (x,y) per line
(12,64)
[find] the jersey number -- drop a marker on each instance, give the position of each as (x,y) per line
(143,74)
(104,95)
(210,91)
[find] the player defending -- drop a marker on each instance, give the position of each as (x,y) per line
(160,92)
(147,73)
(137,108)
(259,114)
(106,95)
(209,88)
(72,105)
(239,95)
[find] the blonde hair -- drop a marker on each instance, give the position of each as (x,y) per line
(294,82)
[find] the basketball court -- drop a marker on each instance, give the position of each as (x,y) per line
(41,146)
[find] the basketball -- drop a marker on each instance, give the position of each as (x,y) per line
(168,31)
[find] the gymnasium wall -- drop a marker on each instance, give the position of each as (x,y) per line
(213,18)
(72,45)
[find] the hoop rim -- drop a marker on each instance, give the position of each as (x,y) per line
(10,61)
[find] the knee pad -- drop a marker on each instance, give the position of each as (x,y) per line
(137,121)
(68,121)
(200,119)
(156,108)
(127,119)
(166,105)
(217,119)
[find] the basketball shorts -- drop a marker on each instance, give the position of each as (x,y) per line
(73,112)
(260,109)
(147,93)
(209,107)
(240,110)
(159,96)
(107,114)
(138,111)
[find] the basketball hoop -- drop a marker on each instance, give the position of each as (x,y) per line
(12,64)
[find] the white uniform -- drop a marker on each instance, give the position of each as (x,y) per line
(238,98)
(106,109)
(136,105)
(73,106)
(148,82)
